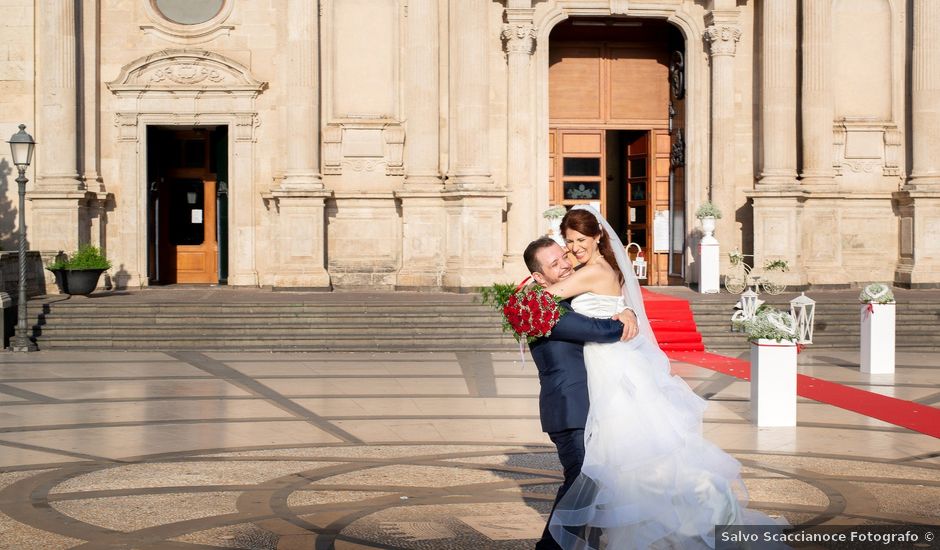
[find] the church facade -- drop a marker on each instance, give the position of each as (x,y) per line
(415,144)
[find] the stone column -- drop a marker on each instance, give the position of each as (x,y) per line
(422,95)
(919,202)
(925,96)
(59,212)
(519,35)
(778,94)
(817,110)
(300,194)
(470,113)
(723,38)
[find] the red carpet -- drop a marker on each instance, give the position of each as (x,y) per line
(674,327)
(672,322)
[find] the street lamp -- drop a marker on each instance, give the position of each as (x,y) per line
(21,147)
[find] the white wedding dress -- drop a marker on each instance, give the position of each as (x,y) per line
(649,479)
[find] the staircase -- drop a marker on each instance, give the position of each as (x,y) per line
(837,321)
(313,321)
(672,322)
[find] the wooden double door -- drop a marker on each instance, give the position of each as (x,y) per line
(183,208)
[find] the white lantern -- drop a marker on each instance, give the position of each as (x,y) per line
(803,310)
(749,303)
(639,264)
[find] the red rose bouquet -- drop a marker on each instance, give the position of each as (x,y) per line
(529,312)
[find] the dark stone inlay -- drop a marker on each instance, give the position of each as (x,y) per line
(26,394)
(222,371)
(478,371)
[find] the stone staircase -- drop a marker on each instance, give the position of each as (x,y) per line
(323,322)
(837,322)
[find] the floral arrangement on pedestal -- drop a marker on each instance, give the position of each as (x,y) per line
(876,293)
(554,216)
(708,210)
(771,324)
(877,329)
(529,312)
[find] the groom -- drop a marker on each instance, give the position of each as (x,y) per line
(563,399)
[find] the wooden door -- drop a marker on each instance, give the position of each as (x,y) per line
(191,229)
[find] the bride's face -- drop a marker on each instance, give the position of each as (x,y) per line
(582,246)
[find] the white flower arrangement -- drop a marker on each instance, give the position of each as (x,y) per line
(554,213)
(876,293)
(771,324)
(735,257)
(708,210)
(776,265)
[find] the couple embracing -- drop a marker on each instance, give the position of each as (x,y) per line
(637,471)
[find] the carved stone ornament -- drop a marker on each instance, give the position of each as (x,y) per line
(677,154)
(333,150)
(182,70)
(519,38)
(723,39)
(394,150)
(677,75)
(619,7)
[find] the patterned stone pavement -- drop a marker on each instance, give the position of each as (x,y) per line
(407,450)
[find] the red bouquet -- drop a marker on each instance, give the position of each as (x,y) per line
(528,311)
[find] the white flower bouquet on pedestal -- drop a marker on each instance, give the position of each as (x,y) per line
(554,216)
(877,329)
(772,334)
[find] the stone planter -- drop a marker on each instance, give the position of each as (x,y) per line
(555,225)
(877,338)
(82,282)
(708,226)
(773,383)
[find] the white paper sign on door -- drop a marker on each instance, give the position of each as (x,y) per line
(661,231)
(197,216)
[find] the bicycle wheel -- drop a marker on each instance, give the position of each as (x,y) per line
(735,284)
(772,287)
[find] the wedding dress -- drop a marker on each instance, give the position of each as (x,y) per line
(649,478)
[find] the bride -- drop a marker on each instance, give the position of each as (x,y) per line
(649,479)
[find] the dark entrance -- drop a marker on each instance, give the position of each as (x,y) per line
(187,207)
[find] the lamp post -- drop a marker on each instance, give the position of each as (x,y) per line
(21,147)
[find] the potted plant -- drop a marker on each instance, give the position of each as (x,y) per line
(773,335)
(83,268)
(708,213)
(57,267)
(877,329)
(554,216)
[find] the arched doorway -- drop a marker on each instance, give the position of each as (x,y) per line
(616,111)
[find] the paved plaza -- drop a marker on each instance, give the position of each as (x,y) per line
(370,450)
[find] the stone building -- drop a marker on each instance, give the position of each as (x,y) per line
(415,143)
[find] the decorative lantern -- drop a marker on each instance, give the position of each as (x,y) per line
(639,264)
(803,310)
(749,303)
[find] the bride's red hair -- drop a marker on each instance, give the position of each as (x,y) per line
(585,223)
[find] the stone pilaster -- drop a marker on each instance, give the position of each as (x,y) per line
(919,201)
(59,209)
(300,196)
(778,94)
(422,96)
(302,65)
(817,109)
(722,36)
(469,166)
(519,36)
(925,96)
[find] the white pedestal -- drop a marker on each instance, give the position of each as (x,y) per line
(877,349)
(773,383)
(709,265)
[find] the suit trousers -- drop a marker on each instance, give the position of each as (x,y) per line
(570,445)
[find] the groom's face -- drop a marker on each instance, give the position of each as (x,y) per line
(555,265)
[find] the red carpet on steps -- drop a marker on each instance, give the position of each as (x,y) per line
(672,322)
(674,327)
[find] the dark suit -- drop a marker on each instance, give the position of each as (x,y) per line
(563,398)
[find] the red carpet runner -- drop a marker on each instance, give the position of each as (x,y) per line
(674,327)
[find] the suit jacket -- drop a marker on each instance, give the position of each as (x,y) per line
(563,398)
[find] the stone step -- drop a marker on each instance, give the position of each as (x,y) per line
(250,342)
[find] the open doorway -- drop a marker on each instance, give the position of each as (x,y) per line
(187,205)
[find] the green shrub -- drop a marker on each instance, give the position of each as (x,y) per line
(708,210)
(87,257)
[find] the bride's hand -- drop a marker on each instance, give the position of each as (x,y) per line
(630,329)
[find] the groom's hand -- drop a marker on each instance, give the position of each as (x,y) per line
(628,318)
